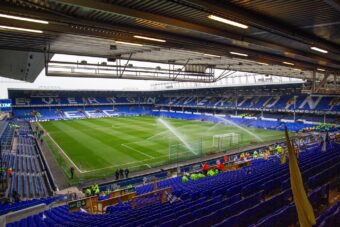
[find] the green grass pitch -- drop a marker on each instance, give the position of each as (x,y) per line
(102,145)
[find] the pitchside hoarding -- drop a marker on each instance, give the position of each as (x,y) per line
(5,105)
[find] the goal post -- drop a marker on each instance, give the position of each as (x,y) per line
(224,141)
(181,152)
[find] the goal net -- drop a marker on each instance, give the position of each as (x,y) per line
(181,152)
(222,141)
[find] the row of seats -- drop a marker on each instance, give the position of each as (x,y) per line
(6,138)
(4,209)
(28,185)
(26,146)
(265,124)
(230,197)
(28,164)
(3,126)
(288,102)
(27,178)
(81,100)
(43,113)
(301,102)
(331,217)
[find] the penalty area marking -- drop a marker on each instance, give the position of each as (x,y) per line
(128,163)
(108,167)
(141,152)
(119,165)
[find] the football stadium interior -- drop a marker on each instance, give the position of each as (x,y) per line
(170,113)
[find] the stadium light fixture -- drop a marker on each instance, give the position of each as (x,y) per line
(322,70)
(240,54)
(287,63)
(212,55)
(20,29)
(227,21)
(23,18)
(127,43)
(319,50)
(149,38)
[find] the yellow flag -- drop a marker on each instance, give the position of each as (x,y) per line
(283,158)
(303,206)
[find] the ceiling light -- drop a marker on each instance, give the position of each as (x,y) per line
(20,29)
(212,55)
(287,63)
(261,63)
(319,49)
(322,70)
(240,54)
(23,18)
(127,43)
(148,38)
(226,21)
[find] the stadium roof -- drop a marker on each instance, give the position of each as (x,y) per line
(284,38)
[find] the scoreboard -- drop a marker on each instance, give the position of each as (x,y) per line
(5,105)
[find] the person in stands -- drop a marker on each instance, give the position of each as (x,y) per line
(220,166)
(278,149)
(121,173)
(242,157)
(226,158)
(117,174)
(16,196)
(10,172)
(205,168)
(127,173)
(266,155)
(71,171)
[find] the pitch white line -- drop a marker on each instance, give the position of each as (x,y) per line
(81,171)
(131,148)
(113,166)
(164,132)
(108,167)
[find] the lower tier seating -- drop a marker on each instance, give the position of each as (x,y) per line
(258,194)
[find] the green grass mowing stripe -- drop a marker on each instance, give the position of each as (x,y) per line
(135,132)
(108,141)
(143,133)
(78,146)
(97,147)
(119,138)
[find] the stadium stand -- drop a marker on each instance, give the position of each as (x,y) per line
(236,198)
(268,112)
(265,111)
(4,209)
(28,172)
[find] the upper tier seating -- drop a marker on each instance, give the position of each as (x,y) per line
(298,102)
